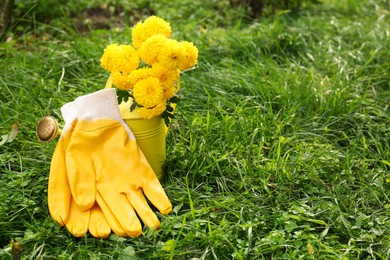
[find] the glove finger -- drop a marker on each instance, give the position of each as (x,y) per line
(122,210)
(59,195)
(81,180)
(78,221)
(98,225)
(112,221)
(143,210)
(156,194)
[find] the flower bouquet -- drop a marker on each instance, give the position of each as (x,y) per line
(147,77)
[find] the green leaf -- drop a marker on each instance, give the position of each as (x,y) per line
(166,121)
(116,238)
(166,116)
(301,218)
(133,106)
(385,162)
(123,95)
(128,253)
(169,108)
(168,245)
(174,99)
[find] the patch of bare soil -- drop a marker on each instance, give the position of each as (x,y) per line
(104,17)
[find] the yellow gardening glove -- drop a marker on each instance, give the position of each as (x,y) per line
(105,164)
(61,205)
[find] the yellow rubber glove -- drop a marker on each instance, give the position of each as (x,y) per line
(105,164)
(61,205)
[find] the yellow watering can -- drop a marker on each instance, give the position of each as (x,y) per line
(149,133)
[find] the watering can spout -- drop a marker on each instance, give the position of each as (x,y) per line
(47,129)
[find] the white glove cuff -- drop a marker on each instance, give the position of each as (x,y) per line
(98,105)
(69,112)
(102,104)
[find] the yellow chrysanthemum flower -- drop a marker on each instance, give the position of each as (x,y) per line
(165,76)
(121,80)
(169,91)
(129,60)
(110,54)
(138,34)
(139,74)
(150,49)
(172,55)
(191,55)
(148,92)
(155,25)
(149,113)
(151,26)
(120,58)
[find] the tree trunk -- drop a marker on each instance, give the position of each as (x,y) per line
(5,16)
(257,7)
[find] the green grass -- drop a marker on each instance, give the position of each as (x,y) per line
(280,148)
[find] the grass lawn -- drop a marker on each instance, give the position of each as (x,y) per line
(280,148)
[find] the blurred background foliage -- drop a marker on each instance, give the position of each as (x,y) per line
(102,14)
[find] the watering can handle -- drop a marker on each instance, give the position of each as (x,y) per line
(109,82)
